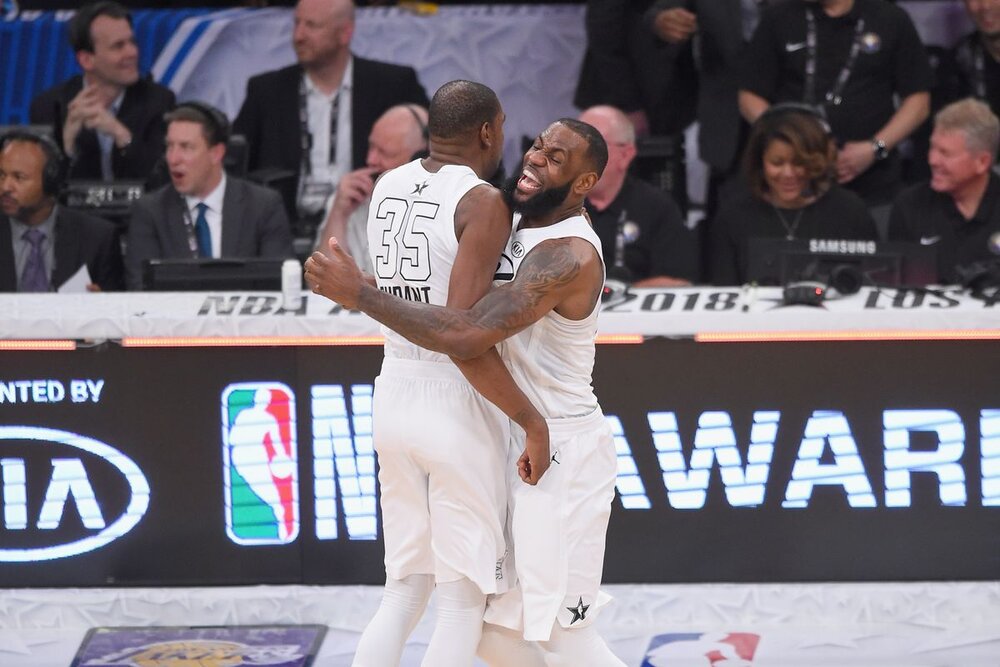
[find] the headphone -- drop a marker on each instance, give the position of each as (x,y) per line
(56,167)
(218,124)
(420,123)
(783,108)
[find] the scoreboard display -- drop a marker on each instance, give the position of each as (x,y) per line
(748,462)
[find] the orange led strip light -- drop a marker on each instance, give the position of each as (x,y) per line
(252,341)
(31,345)
(849,335)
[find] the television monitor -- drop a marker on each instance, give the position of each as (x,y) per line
(209,275)
(777,261)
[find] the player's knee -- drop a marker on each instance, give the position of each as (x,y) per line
(411,592)
(460,594)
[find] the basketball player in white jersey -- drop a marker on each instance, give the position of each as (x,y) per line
(435,234)
(550,281)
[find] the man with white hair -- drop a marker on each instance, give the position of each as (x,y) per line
(398,135)
(957,212)
(641,228)
(313,118)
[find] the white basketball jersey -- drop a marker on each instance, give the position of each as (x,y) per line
(411,239)
(553,359)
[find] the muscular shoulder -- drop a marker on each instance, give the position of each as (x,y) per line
(483,194)
(564,257)
(482,204)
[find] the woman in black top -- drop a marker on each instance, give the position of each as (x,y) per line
(789,163)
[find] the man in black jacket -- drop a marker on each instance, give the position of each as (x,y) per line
(42,244)
(311,120)
(109,121)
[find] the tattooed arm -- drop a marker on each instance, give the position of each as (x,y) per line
(482,226)
(564,275)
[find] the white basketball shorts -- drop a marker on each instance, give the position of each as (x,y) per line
(559,528)
(442,450)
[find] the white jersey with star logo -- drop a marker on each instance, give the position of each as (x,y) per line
(412,241)
(553,359)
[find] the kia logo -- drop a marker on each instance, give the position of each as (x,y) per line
(68,477)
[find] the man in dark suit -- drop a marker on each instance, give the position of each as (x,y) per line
(203,212)
(626,67)
(109,121)
(720,30)
(42,245)
(311,120)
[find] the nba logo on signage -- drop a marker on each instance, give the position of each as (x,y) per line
(260,460)
(702,650)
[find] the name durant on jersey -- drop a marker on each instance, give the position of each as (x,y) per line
(421,294)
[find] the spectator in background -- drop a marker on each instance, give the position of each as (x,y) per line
(645,241)
(312,119)
(851,59)
(109,121)
(397,136)
(627,67)
(203,212)
(958,210)
(718,31)
(977,56)
(43,244)
(790,166)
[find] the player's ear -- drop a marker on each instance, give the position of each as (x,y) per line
(585,183)
(487,134)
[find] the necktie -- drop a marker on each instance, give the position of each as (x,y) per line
(35,278)
(201,231)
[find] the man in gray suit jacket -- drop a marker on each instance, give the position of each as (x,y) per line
(203,212)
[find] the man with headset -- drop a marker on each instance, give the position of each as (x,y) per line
(43,244)
(397,137)
(203,212)
(853,59)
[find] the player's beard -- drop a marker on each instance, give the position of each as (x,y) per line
(538,204)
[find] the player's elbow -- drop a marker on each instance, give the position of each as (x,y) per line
(467,345)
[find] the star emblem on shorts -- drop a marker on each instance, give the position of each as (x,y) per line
(579,611)
(418,188)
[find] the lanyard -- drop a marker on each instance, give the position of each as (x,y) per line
(620,241)
(979,72)
(834,95)
(305,136)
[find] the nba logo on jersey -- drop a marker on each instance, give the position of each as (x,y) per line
(718,649)
(260,463)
